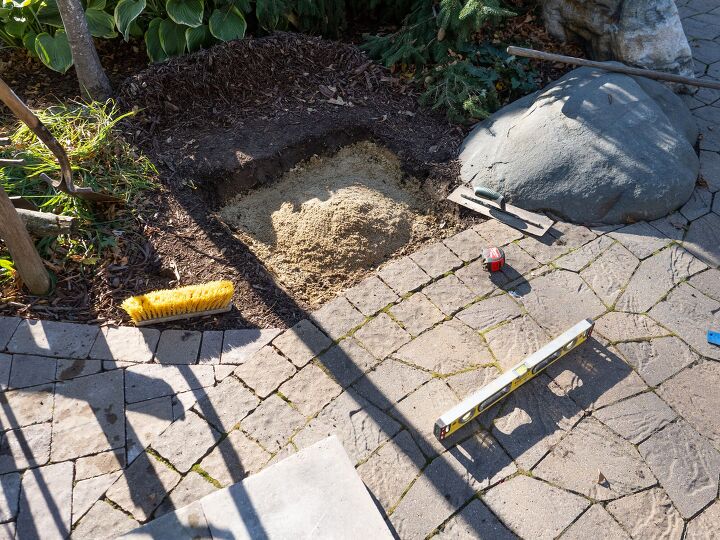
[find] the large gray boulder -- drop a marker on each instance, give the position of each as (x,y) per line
(645,33)
(592,147)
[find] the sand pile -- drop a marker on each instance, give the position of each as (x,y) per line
(326,223)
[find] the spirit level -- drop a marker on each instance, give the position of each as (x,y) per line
(491,393)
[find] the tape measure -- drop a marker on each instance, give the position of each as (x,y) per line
(493,259)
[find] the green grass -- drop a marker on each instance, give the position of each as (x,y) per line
(100,159)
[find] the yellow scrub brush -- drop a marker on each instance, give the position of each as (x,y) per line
(173,304)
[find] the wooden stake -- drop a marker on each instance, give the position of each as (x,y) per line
(22,250)
(607,66)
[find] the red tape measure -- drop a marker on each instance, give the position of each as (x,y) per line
(493,259)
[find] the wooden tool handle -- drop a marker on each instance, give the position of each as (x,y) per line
(607,66)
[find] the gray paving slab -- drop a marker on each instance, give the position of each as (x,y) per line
(479,280)
(272,423)
(707,521)
(581,257)
(89,416)
(46,502)
(512,342)
(638,417)
(436,260)
(7,328)
(30,370)
(474,521)
(178,347)
(149,381)
(125,343)
(703,239)
(337,318)
(310,390)
(371,295)
(710,168)
(389,382)
(25,447)
(658,359)
(302,343)
(236,457)
(103,521)
(416,314)
(10,486)
(335,502)
(673,226)
(265,371)
(533,509)
(145,421)
(188,523)
(87,492)
(239,345)
(197,437)
(68,368)
(347,361)
(617,326)
(210,347)
(594,520)
(497,233)
(648,515)
(469,382)
(559,240)
(449,294)
(686,464)
(641,239)
(26,406)
(226,404)
(191,488)
(467,244)
(609,274)
(5,365)
(708,283)
(50,338)
(517,264)
(698,205)
(382,336)
(490,312)
(99,464)
(449,347)
(403,275)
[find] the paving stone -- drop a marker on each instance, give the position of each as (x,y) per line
(448,483)
(610,272)
(658,359)
(360,426)
(265,371)
(641,239)
(29,447)
(637,418)
(19,408)
(617,326)
(517,264)
(436,260)
(710,140)
(656,276)
(99,464)
(125,343)
(469,382)
(672,226)
(222,371)
(533,419)
(698,205)
(46,502)
(559,300)
(273,423)
(337,318)
(474,521)
(389,382)
(595,376)
(191,488)
(581,257)
(403,275)
(5,364)
(588,450)
(347,361)
(50,338)
(7,531)
(234,458)
(239,345)
(302,343)
(183,402)
(89,416)
(87,492)
(449,294)
(489,313)
(10,485)
(226,404)
(447,348)
(704,50)
(686,465)
(419,410)
(153,380)
(310,390)
(68,368)
(210,347)
(593,521)
(142,486)
(702,526)
(708,283)
(467,245)
(417,314)
(534,509)
(7,327)
(145,421)
(710,169)
(648,515)
(560,239)
(196,438)
(695,395)
(29,370)
(382,336)
(497,233)
(389,471)
(371,295)
(479,280)
(703,239)
(513,342)
(103,521)
(689,313)
(178,347)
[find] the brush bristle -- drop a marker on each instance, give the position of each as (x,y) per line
(170,302)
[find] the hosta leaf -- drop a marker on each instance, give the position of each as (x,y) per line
(54,52)
(152,42)
(16,27)
(49,14)
(29,42)
(126,11)
(268,12)
(189,12)
(197,38)
(96,4)
(172,37)
(100,23)
(227,24)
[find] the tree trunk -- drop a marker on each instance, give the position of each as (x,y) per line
(93,81)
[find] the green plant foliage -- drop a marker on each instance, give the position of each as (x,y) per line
(187,12)
(126,11)
(54,51)
(227,24)
(197,38)
(100,23)
(172,37)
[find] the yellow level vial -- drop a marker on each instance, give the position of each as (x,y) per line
(491,393)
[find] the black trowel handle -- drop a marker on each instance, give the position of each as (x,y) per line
(489,194)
